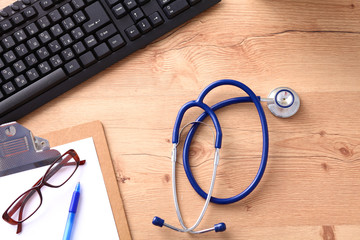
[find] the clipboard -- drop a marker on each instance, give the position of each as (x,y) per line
(96,131)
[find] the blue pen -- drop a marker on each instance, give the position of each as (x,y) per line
(72,211)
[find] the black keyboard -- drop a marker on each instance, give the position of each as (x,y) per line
(49,46)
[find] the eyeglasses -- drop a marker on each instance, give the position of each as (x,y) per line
(58,173)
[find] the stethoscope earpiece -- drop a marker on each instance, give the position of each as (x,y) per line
(283,102)
(219,227)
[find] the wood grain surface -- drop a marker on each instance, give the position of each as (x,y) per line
(311,187)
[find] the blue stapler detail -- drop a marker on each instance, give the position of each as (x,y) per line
(20,150)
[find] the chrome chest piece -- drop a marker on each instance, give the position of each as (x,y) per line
(283,102)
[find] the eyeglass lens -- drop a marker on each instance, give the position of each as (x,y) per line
(29,202)
(64,168)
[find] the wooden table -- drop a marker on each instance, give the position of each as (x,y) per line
(311,187)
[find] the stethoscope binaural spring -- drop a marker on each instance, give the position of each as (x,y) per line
(282,102)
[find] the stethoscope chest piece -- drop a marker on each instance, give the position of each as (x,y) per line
(285,102)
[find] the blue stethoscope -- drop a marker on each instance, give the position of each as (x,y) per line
(282,102)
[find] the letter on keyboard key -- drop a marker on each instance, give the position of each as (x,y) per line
(98,17)
(32,90)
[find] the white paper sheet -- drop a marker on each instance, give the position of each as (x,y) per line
(94,218)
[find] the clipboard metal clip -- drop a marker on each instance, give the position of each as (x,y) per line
(21,151)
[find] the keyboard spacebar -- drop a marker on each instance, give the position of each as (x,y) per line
(32,90)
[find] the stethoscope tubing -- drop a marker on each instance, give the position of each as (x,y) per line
(263,161)
(265,149)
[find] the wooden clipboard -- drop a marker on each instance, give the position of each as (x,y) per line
(96,131)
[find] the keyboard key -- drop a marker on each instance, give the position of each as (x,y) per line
(31,60)
(79,17)
(7,73)
(19,66)
(90,41)
(130,4)
(144,26)
(119,11)
(55,16)
(87,59)
(9,56)
(32,74)
(56,30)
(54,46)
(46,4)
(44,67)
(68,23)
(79,48)
(20,81)
(8,88)
(8,42)
(33,43)
(20,35)
(98,17)
(3,14)
(137,14)
(102,51)
(43,22)
(112,2)
(116,42)
(44,37)
(164,2)
(56,61)
(1,65)
(21,50)
(78,4)
(26,2)
(176,8)
(30,12)
(17,19)
(32,29)
(132,32)
(67,54)
(106,32)
(66,9)
(66,40)
(5,25)
(15,7)
(42,53)
(72,67)
(77,33)
(156,19)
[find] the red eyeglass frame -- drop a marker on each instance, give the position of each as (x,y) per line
(22,199)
